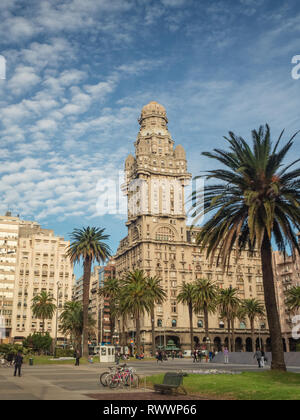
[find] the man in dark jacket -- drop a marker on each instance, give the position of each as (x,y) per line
(18,363)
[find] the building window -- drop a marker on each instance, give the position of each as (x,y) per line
(159,323)
(200,323)
(174,323)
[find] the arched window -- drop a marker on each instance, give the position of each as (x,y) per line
(165,234)
(200,323)
(242,325)
(174,323)
(159,323)
(221,325)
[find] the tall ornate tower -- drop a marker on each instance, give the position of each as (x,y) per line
(161,244)
(155,179)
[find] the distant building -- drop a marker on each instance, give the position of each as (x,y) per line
(99,306)
(32,260)
(287,275)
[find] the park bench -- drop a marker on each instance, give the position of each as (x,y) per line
(172,383)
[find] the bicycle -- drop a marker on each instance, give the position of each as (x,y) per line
(112,371)
(122,378)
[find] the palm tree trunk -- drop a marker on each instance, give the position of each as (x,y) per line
(87,265)
(278,362)
(206,324)
(138,334)
(229,335)
(153,332)
(191,326)
(233,335)
(253,335)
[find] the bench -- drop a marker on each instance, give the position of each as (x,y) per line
(172,382)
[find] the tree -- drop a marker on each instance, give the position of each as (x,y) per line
(186,296)
(253,309)
(88,245)
(43,307)
(71,322)
(112,291)
(38,342)
(205,299)
(135,299)
(257,200)
(229,304)
(293,299)
(156,296)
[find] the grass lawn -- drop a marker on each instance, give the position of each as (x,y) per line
(246,386)
(45,360)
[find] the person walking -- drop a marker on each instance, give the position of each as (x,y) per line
(77,357)
(18,364)
(194,356)
(226,356)
(258,357)
(263,359)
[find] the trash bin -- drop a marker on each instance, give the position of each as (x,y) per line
(31,361)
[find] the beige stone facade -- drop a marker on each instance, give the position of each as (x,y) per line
(287,275)
(160,242)
(38,264)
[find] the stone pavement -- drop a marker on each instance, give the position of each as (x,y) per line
(67,382)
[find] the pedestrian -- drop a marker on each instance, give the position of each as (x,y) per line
(258,357)
(226,356)
(77,357)
(263,359)
(210,356)
(18,363)
(194,356)
(199,358)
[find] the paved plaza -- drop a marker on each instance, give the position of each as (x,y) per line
(67,382)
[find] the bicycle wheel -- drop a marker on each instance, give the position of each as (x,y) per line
(103,378)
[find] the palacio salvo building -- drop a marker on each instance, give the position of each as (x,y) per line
(160,243)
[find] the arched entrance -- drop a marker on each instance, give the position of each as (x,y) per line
(196,342)
(268,345)
(238,344)
(249,345)
(217,344)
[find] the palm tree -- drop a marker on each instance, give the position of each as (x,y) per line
(156,296)
(112,290)
(135,299)
(71,322)
(229,304)
(256,200)
(205,299)
(293,299)
(88,245)
(43,307)
(186,296)
(252,308)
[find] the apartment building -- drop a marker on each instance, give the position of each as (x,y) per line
(99,306)
(287,275)
(32,260)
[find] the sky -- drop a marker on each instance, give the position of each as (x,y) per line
(78,73)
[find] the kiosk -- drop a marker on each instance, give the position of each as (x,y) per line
(107,354)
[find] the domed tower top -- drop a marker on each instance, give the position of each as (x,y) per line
(153,119)
(152,110)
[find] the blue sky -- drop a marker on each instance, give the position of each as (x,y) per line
(79,72)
